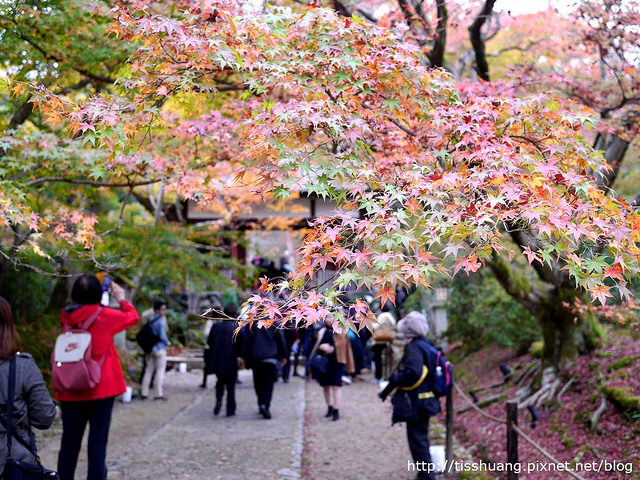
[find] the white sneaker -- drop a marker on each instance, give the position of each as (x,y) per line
(346,380)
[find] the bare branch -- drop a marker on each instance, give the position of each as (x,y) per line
(514,47)
(93,183)
(121,221)
(49,56)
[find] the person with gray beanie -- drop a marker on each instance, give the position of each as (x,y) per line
(415,374)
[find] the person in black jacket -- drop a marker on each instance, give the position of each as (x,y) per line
(415,373)
(223,359)
(263,350)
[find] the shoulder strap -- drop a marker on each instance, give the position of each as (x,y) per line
(11,387)
(87,324)
(320,337)
(89,321)
(8,423)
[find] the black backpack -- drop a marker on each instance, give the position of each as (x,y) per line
(146,337)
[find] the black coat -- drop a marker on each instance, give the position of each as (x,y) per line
(418,353)
(223,350)
(261,343)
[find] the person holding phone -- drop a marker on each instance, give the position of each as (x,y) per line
(94,405)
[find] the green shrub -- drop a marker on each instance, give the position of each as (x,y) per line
(482,314)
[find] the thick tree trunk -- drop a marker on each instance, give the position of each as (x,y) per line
(565,333)
(478,43)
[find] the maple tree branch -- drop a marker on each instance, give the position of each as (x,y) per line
(478,43)
(531,141)
(520,289)
(20,116)
(49,56)
(77,181)
(524,238)
(492,19)
(412,15)
(615,151)
(405,129)
(366,15)
(527,47)
(623,94)
(121,217)
(341,8)
(26,109)
(625,101)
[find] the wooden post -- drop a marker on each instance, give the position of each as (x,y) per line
(512,439)
(449,444)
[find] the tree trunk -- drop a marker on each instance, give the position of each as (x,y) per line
(565,333)
(60,293)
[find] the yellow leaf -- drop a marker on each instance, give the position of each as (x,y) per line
(499,180)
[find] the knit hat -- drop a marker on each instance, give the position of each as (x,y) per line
(414,325)
(385,319)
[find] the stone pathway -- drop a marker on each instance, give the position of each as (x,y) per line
(362,445)
(181,439)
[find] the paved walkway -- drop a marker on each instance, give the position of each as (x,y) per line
(181,439)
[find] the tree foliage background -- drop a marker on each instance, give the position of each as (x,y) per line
(465,137)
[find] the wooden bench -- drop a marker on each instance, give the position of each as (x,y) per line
(194,358)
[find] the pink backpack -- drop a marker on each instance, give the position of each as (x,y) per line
(72,368)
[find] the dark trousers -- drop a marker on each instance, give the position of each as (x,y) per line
(228,382)
(418,436)
(377,359)
(75,416)
(286,370)
(264,376)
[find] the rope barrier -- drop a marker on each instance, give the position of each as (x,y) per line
(475,407)
(538,447)
(531,441)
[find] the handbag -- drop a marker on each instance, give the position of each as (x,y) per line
(318,364)
(384,334)
(405,406)
(17,469)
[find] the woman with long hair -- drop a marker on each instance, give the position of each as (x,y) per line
(32,404)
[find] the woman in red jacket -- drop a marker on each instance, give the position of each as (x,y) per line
(94,405)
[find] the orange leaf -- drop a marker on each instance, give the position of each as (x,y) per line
(388,293)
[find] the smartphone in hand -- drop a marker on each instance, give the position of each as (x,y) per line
(106,283)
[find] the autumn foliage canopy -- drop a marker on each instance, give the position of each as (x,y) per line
(287,101)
